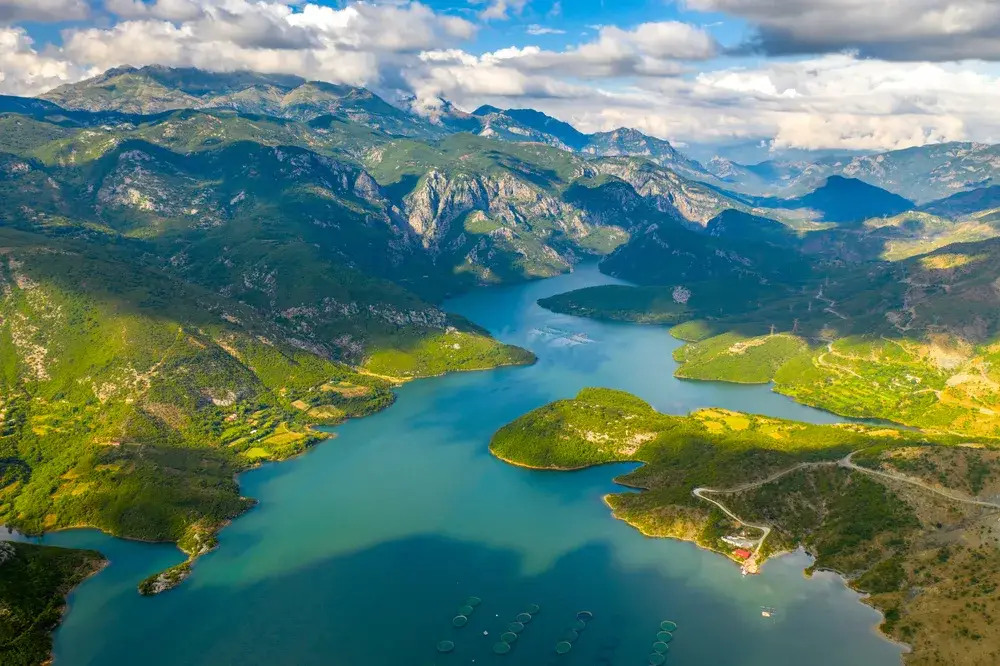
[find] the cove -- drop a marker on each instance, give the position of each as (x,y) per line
(361,551)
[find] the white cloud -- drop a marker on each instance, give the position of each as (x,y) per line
(618,77)
(892,29)
(649,50)
(13,11)
(168,10)
(357,44)
(25,71)
(460,75)
(500,10)
(837,101)
(535,30)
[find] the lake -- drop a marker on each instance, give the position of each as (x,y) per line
(361,552)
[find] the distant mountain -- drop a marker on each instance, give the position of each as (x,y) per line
(155,89)
(633,143)
(736,225)
(848,200)
(922,174)
(927,172)
(541,123)
(757,151)
(531,125)
(966,203)
(486,109)
(521,125)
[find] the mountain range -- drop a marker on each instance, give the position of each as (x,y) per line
(199,266)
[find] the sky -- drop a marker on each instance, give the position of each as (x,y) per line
(860,75)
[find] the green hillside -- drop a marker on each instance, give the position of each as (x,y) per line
(34,582)
(913,341)
(130,399)
(196,269)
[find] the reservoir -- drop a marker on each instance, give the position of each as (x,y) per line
(362,551)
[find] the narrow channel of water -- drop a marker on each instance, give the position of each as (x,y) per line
(362,551)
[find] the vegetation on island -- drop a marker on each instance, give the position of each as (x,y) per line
(912,538)
(711,447)
(34,582)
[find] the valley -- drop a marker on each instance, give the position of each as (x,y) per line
(204,273)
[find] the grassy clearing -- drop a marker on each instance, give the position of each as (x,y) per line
(449,351)
(732,357)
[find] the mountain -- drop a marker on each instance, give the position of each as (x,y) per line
(966,203)
(155,89)
(633,143)
(451,213)
(531,125)
(922,174)
(486,109)
(928,172)
(563,134)
(842,199)
(688,201)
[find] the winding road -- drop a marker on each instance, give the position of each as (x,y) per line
(846,462)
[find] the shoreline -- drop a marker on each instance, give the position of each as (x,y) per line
(550,468)
(312,428)
(401,381)
(863,597)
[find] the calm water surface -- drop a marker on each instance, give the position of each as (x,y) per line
(361,551)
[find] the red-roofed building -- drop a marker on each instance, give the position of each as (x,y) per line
(742,553)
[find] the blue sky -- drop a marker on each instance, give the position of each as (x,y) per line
(578,18)
(788,74)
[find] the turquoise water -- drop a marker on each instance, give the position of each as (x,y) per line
(361,552)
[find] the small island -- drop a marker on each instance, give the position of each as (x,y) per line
(894,511)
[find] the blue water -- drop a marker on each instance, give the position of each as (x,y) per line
(361,551)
